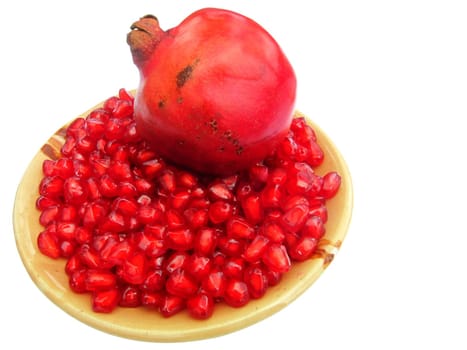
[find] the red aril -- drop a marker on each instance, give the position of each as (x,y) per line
(303,248)
(277,258)
(171,304)
(134,269)
(236,293)
(105,300)
(331,184)
(256,280)
(99,280)
(130,297)
(48,244)
(181,284)
(200,306)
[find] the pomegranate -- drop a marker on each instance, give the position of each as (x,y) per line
(216,93)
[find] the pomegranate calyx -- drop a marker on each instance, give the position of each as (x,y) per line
(143,38)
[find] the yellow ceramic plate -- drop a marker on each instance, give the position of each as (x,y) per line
(143,324)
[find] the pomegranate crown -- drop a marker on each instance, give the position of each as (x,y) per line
(144,36)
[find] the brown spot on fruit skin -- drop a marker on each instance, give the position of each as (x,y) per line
(213,125)
(184,75)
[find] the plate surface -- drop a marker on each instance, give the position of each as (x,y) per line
(147,325)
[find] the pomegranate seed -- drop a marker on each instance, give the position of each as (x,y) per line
(233,267)
(125,206)
(127,189)
(66,230)
(180,199)
(181,239)
(167,181)
(294,218)
(198,266)
(303,248)
(131,297)
(320,211)
(230,246)
(314,227)
(105,300)
(114,222)
(175,219)
(48,244)
(259,173)
(77,281)
(180,284)
(256,248)
(93,214)
(220,191)
(89,256)
(196,218)
(123,108)
(301,179)
(83,235)
(256,281)
(277,176)
(95,128)
(43,203)
(316,154)
(273,277)
(51,186)
(108,187)
(176,261)
(134,269)
(271,196)
(200,306)
(73,264)
(239,228)
(67,248)
(272,231)
(120,171)
(68,213)
(171,304)
(99,280)
(205,241)
(152,299)
(187,180)
(276,258)
(236,293)
(331,184)
(115,253)
(220,211)
(110,103)
(124,95)
(49,215)
(215,284)
(48,167)
(136,231)
(155,281)
(148,215)
(253,209)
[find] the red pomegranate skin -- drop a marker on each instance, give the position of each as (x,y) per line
(216,92)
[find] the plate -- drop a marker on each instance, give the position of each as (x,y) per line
(149,325)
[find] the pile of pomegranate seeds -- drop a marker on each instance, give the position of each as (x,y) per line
(137,231)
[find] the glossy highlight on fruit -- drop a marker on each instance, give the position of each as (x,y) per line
(216,92)
(137,230)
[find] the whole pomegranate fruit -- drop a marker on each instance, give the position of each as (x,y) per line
(216,92)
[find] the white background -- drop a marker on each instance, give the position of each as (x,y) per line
(386,80)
